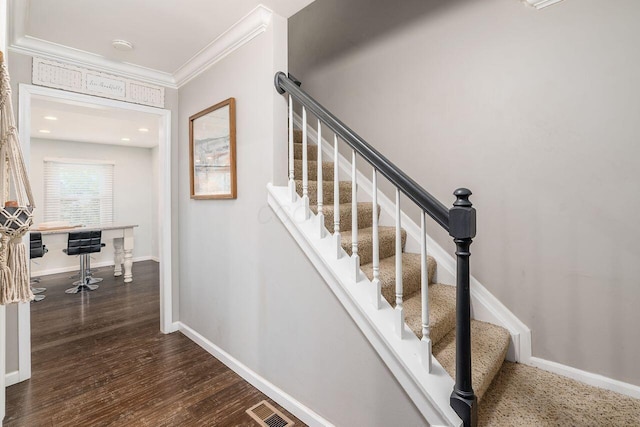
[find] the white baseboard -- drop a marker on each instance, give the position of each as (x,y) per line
(302,412)
(110,263)
(11,378)
(595,380)
(175,327)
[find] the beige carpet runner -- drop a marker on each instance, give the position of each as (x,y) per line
(489,343)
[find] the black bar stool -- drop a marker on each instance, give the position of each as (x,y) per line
(36,250)
(84,243)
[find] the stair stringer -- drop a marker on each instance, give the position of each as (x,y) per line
(430,392)
(484,306)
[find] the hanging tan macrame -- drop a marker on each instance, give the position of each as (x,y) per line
(16,203)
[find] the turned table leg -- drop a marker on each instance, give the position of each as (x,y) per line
(118,258)
(128,254)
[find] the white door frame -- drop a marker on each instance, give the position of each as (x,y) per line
(26,94)
(3,317)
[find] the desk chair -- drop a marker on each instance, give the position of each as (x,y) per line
(37,250)
(84,243)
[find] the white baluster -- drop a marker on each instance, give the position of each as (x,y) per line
(305,165)
(336,199)
(398,309)
(377,289)
(319,179)
(425,343)
(354,219)
(292,183)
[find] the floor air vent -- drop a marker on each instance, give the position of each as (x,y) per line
(268,416)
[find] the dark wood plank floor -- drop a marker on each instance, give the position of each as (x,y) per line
(99,359)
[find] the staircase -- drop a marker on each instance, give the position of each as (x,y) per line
(489,343)
(388,283)
(422,329)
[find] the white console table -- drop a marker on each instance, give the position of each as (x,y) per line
(122,243)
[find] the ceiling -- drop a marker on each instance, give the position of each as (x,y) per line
(93,124)
(173,41)
(166,34)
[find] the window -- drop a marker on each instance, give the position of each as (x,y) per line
(78,191)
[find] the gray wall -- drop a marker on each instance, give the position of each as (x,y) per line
(536,112)
(244,283)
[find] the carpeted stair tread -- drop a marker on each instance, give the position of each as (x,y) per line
(297,136)
(312,151)
(386,242)
(522,395)
(312,170)
(442,311)
(489,345)
(365,215)
(411,275)
(327,191)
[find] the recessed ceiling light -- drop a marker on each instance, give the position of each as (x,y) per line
(44,131)
(50,118)
(143,130)
(122,45)
(125,139)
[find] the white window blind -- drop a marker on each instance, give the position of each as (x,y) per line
(78,192)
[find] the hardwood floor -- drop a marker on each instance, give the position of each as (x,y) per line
(99,359)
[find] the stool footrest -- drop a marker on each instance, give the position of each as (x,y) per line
(80,288)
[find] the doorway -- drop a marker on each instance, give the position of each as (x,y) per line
(27,95)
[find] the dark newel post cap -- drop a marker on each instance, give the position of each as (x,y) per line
(462,197)
(462,216)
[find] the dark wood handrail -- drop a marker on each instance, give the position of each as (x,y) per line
(459,221)
(421,197)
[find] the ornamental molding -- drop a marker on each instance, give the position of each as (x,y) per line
(60,75)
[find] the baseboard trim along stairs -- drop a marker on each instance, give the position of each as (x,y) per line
(484,305)
(402,356)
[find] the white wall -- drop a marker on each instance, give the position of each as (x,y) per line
(244,283)
(135,198)
(537,113)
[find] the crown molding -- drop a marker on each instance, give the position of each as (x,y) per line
(250,26)
(41,48)
(539,4)
(253,24)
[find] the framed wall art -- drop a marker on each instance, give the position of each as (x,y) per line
(212,152)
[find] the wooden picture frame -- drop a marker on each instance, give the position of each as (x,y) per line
(212,152)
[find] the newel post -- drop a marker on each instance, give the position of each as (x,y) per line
(462,227)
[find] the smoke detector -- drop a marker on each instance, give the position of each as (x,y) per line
(122,45)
